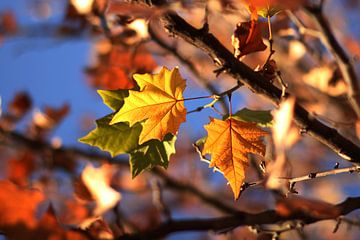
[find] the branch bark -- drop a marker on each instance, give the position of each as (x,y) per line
(258,84)
(236,220)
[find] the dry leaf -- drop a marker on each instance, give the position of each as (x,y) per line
(229,142)
(159,102)
(247,39)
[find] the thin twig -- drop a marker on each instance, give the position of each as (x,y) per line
(203,158)
(324,174)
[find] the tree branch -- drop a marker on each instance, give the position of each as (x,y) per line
(258,84)
(239,219)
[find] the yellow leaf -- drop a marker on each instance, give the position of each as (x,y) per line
(160,102)
(229,142)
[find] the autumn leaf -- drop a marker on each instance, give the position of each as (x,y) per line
(18,206)
(247,39)
(120,138)
(97,181)
(159,102)
(229,142)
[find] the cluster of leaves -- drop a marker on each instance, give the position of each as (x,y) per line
(146,120)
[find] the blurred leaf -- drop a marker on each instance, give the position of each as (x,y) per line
(114,99)
(229,142)
(20,168)
(12,197)
(116,65)
(151,154)
(247,38)
(262,117)
(17,108)
(116,139)
(20,104)
(97,180)
(8,23)
(159,102)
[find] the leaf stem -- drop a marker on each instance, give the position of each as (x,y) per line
(196,98)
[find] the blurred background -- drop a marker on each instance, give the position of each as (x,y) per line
(55,54)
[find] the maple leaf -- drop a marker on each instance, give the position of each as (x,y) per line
(160,102)
(120,138)
(247,39)
(229,142)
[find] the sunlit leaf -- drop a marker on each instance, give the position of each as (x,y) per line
(229,142)
(159,102)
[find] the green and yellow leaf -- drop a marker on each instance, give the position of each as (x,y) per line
(159,102)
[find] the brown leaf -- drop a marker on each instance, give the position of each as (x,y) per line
(229,142)
(247,39)
(17,109)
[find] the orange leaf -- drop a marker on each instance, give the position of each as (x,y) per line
(18,206)
(20,168)
(159,102)
(247,39)
(229,142)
